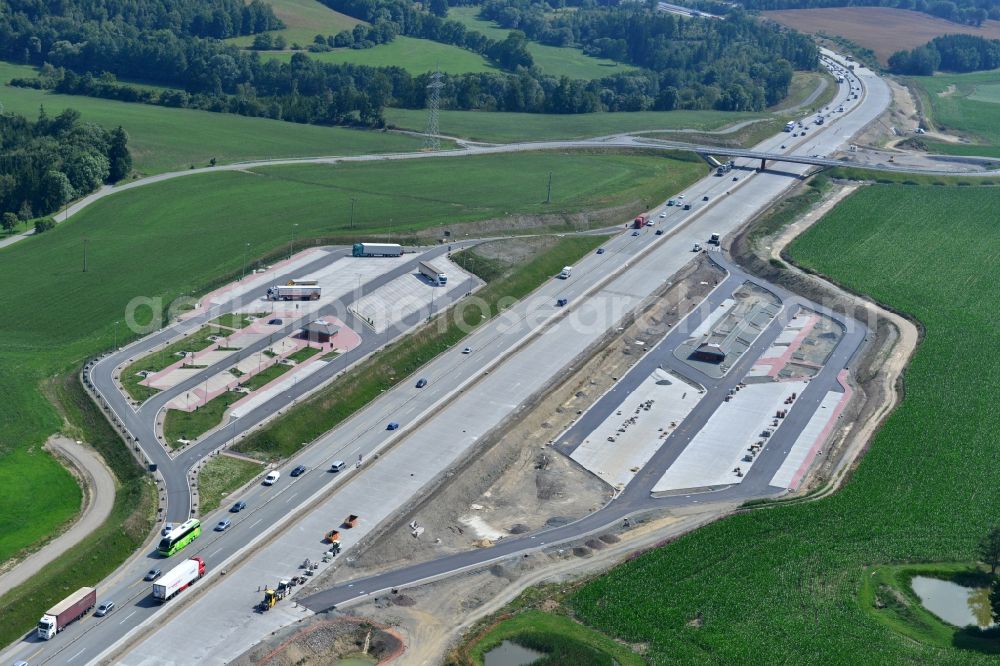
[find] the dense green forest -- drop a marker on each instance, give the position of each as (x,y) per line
(739,64)
(46,163)
(750,62)
(952,53)
(972,12)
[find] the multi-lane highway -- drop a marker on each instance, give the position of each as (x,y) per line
(468,395)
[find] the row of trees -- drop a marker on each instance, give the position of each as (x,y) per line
(30,28)
(953,53)
(971,12)
(48,162)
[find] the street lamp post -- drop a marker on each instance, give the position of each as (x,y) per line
(245,250)
(295,229)
(116,335)
(354,201)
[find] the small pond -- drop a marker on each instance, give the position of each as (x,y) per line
(511,654)
(954,603)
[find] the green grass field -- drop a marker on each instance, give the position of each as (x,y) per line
(569,642)
(552,60)
(511,127)
(163,139)
(782,585)
(220,476)
(414,55)
(965,104)
(303,19)
(56,315)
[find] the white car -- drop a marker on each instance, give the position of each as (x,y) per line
(272,478)
(662,215)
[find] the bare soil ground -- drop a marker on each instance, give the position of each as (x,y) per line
(884,30)
(321,641)
(515,483)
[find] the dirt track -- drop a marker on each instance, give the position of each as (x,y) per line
(98,484)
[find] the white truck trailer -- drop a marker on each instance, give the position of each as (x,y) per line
(432,273)
(294,292)
(178,579)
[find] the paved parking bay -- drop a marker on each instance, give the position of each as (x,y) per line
(719,447)
(623,444)
(407,294)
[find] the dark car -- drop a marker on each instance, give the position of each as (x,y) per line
(299,471)
(421,382)
(635,233)
(239,506)
(392,426)
(705,198)
(659,232)
(153,574)
(274,322)
(600,250)
(687,206)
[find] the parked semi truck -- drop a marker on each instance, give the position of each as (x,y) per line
(639,222)
(431,272)
(69,609)
(377,250)
(178,579)
(294,292)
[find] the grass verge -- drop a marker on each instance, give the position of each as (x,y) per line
(266,376)
(235,320)
(388,367)
(220,476)
(303,354)
(503,127)
(178,424)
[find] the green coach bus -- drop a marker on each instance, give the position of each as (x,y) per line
(179,537)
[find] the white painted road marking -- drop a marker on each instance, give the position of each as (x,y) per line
(128,616)
(76,655)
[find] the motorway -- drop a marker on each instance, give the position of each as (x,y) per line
(637,498)
(472,393)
